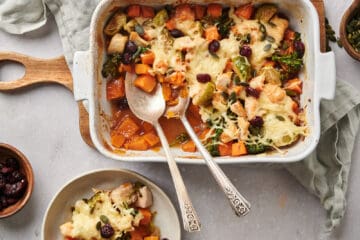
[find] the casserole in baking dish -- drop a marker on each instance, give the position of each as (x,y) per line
(89,84)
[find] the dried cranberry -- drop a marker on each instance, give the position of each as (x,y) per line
(12,163)
(15,176)
(2,181)
(107,231)
(214,46)
(299,48)
(15,189)
(257,122)
(127,58)
(176,33)
(245,51)
(203,77)
(130,47)
(11,201)
(6,170)
(252,92)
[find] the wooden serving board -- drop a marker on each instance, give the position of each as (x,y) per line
(55,70)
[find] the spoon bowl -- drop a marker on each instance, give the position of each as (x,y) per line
(150,107)
(240,205)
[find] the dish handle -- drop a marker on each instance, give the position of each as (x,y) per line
(82,75)
(37,71)
(326,75)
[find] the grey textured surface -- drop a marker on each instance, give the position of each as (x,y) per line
(43,123)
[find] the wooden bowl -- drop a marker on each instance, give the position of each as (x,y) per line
(348,15)
(25,168)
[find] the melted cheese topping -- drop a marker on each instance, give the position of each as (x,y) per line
(86,215)
(281,130)
(264,39)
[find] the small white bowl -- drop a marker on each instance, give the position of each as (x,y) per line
(59,210)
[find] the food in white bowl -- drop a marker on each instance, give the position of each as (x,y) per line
(317,77)
(121,213)
(121,203)
(240,65)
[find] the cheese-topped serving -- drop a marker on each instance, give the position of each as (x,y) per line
(238,64)
(122,213)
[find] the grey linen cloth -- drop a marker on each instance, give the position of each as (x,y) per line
(324,173)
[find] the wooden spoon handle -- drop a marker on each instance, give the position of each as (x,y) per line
(37,71)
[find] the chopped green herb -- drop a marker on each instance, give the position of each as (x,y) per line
(111,66)
(232,97)
(181,138)
(139,29)
(98,225)
(293,62)
(290,93)
(139,51)
(134,212)
(225,95)
(267,47)
(104,219)
(255,131)
(213,146)
(256,148)
(214,55)
(242,68)
(270,39)
(224,24)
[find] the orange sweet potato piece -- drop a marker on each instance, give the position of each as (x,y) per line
(117,140)
(147,216)
(166,90)
(133,10)
(136,235)
(289,34)
(245,11)
(225,149)
(177,79)
(147,12)
(127,127)
(147,57)
(151,238)
(294,85)
(137,143)
(115,89)
(145,82)
(269,63)
(148,127)
(126,68)
(188,146)
(214,10)
(184,12)
(204,133)
(228,66)
(238,149)
(211,33)
(141,68)
(170,24)
(151,138)
(199,11)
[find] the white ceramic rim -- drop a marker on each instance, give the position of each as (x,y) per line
(119,170)
(324,88)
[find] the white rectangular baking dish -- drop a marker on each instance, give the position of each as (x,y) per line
(318,77)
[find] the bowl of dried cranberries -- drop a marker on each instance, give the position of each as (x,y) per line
(16,180)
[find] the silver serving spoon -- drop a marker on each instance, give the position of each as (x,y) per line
(240,205)
(150,107)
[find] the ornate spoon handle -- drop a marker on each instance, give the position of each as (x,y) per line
(240,205)
(190,219)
